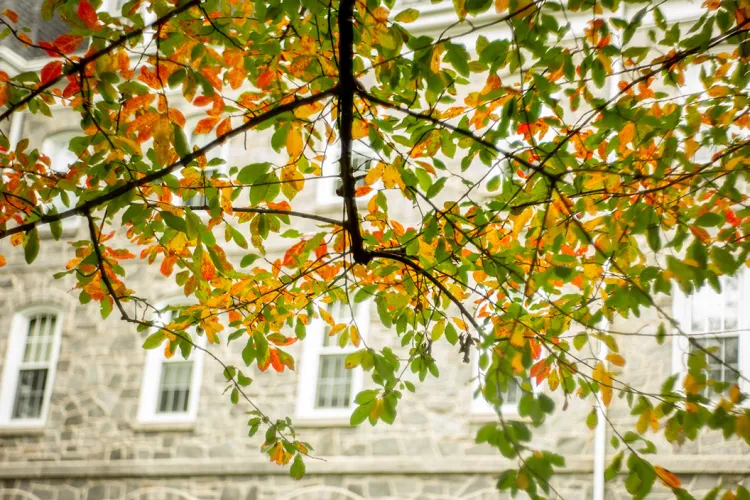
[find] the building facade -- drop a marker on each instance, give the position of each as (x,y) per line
(87,414)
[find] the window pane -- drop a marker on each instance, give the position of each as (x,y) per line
(30,393)
(174,387)
(39,338)
(716,312)
(334,382)
(725,349)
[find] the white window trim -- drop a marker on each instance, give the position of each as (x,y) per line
(151,383)
(49,146)
(325,194)
(681,312)
(16,345)
(312,349)
(479,405)
(222,150)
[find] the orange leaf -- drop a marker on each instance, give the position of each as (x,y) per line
(362,191)
(275,361)
(167,265)
(208,271)
(10,15)
(206,125)
(88,15)
(669,479)
(224,127)
(67,43)
(616,359)
(2,260)
(51,71)
(265,79)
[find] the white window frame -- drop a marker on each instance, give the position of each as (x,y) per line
(151,382)
(50,144)
(13,364)
(325,194)
(222,150)
(309,366)
(681,311)
(479,405)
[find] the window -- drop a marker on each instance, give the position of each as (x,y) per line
(480,405)
(718,323)
(329,192)
(56,147)
(171,386)
(326,387)
(214,159)
(29,372)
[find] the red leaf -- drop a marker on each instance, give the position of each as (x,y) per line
(51,71)
(88,15)
(49,49)
(72,89)
(67,43)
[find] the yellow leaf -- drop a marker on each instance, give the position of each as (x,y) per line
(178,242)
(391,177)
(517,337)
(291,177)
(602,376)
(374,174)
(719,91)
(521,220)
(627,133)
(294,143)
(517,364)
(669,479)
(326,316)
(359,129)
(616,359)
(691,385)
(354,335)
(501,5)
(734,392)
(162,132)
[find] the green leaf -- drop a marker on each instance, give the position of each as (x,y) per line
(181,144)
(55,226)
(407,16)
(154,340)
(709,219)
(451,335)
(360,414)
(298,467)
(592,420)
(248,260)
(177,223)
(31,246)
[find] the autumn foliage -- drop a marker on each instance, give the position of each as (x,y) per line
(509,196)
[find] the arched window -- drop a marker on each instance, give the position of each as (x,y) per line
(171,386)
(30,363)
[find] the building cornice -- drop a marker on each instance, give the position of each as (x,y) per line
(336,466)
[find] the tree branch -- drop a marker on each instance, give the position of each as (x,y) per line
(274,211)
(80,65)
(347,88)
(124,189)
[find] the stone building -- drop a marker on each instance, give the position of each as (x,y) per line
(87,414)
